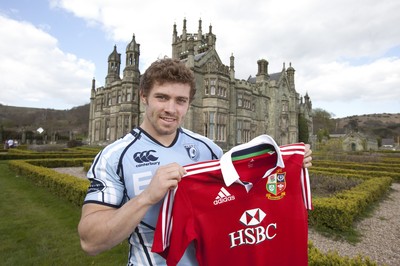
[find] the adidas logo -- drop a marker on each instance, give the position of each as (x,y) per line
(223,196)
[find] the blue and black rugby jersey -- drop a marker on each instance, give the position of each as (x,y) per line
(123,169)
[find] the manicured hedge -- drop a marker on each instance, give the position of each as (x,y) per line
(361,174)
(59,162)
(15,156)
(339,211)
(66,186)
(317,258)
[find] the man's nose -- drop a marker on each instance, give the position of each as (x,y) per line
(170,106)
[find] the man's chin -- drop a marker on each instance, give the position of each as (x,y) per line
(168,130)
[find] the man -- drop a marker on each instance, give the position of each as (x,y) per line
(130,177)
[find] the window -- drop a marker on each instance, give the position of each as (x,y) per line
(215,125)
(246,131)
(240,99)
(108,130)
(98,104)
(97,131)
(221,127)
(126,124)
(222,88)
(285,106)
(243,131)
(109,99)
(212,87)
(212,125)
(239,131)
(206,87)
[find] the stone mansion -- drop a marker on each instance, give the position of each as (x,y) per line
(225,109)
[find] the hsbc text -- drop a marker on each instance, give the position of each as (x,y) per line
(252,235)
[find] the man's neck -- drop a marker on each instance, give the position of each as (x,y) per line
(164,139)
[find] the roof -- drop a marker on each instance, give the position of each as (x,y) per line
(273,76)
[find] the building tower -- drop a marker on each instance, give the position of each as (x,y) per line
(114,64)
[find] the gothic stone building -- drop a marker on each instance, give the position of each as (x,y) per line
(225,109)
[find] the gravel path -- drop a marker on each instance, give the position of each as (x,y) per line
(380,232)
(75,171)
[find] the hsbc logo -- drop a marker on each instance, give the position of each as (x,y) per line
(145,158)
(252,234)
(252,217)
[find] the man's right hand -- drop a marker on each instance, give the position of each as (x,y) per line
(165,178)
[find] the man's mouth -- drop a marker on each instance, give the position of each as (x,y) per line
(168,118)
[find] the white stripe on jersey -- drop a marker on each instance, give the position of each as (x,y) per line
(306,189)
(292,149)
(166,216)
(304,177)
(202,167)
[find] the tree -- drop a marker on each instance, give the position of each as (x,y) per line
(303,129)
(322,121)
(352,125)
(322,134)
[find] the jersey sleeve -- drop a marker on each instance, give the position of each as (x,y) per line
(175,228)
(295,152)
(306,188)
(105,186)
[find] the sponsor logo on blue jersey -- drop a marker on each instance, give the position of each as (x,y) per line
(192,151)
(96,185)
(145,158)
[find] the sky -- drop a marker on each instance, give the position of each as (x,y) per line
(346,53)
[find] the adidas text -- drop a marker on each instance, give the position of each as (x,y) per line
(224,199)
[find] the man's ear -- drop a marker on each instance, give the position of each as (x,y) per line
(143,98)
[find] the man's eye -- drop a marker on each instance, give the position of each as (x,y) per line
(161,97)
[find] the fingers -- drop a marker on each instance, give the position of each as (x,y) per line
(308,150)
(307,162)
(307,156)
(172,171)
(170,175)
(165,178)
(172,180)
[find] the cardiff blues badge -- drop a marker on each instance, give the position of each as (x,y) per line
(192,151)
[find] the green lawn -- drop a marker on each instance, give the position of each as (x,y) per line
(38,228)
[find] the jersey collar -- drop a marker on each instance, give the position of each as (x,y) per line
(229,172)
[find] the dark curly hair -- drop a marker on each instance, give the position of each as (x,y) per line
(167,70)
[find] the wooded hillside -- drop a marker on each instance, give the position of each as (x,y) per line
(14,120)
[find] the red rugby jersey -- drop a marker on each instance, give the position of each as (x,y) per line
(248,208)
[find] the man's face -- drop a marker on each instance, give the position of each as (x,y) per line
(165,108)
